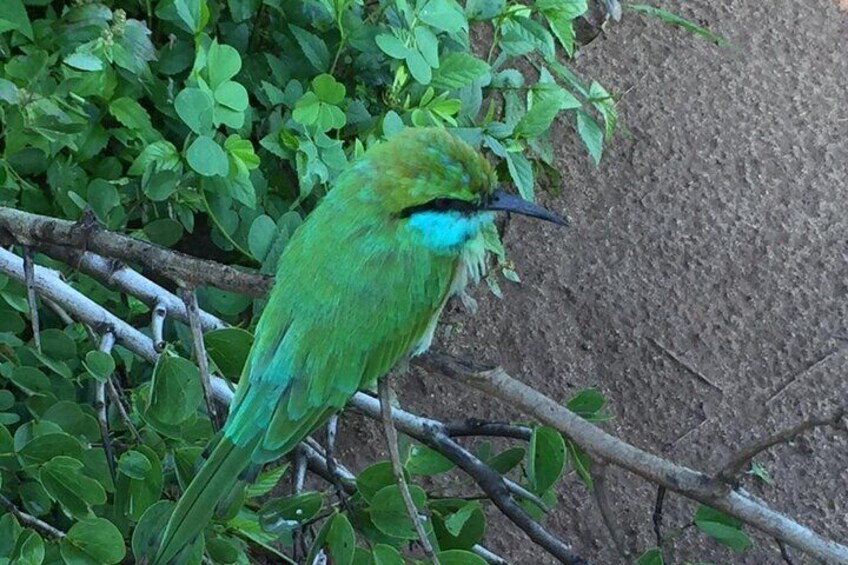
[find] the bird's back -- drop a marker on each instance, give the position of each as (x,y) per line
(354,294)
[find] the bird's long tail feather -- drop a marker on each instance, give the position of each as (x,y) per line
(213,482)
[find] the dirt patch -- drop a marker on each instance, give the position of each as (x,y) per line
(702,286)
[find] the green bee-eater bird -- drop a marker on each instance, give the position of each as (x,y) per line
(360,286)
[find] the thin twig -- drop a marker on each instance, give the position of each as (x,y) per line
(118,404)
(601,492)
(157,326)
(30,520)
(106,344)
(784,552)
(29,273)
(190,299)
(657,517)
(734,466)
(689,368)
(397,468)
(330,454)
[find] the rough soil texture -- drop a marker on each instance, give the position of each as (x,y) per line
(702,286)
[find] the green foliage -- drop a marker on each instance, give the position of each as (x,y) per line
(724,529)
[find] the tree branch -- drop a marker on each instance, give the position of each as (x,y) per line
(29,520)
(190,300)
(35,230)
(734,466)
(692,484)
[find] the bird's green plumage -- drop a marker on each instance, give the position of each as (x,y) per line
(358,288)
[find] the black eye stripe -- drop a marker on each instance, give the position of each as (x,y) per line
(442,205)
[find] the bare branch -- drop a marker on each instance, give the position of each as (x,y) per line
(106,344)
(397,467)
(190,300)
(601,492)
(79,306)
(430,433)
(30,520)
(34,230)
(690,483)
(657,517)
(734,466)
(31,301)
(120,276)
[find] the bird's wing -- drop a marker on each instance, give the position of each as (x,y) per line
(341,314)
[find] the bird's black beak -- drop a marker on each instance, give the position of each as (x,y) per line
(503,202)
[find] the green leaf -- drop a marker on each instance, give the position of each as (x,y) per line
(569,9)
(133,116)
(84,62)
(135,495)
(286,514)
(194,107)
(29,550)
(760,472)
(458,70)
(425,461)
(724,529)
(482,10)
(328,89)
(9,532)
(74,419)
(161,155)
(207,158)
(193,13)
(164,231)
(603,102)
(223,62)
(64,480)
(242,151)
(507,460)
(175,393)
(14,16)
(563,29)
(134,465)
(538,118)
(651,557)
(428,45)
(266,481)
(341,540)
(232,95)
(418,67)
(313,47)
(45,447)
(443,15)
(459,557)
(261,235)
(221,550)
(674,19)
(521,172)
(591,135)
(382,554)
(374,478)
(456,521)
(392,46)
(93,541)
(99,365)
(388,511)
(546,459)
(588,404)
(229,348)
(148,531)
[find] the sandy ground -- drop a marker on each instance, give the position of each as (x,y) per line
(702,286)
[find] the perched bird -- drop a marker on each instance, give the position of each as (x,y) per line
(359,287)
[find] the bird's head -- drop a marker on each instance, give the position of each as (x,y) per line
(439,185)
